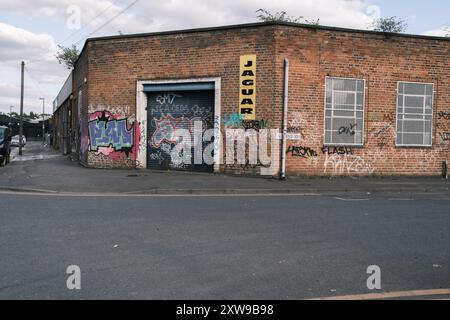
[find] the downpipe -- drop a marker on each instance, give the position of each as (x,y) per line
(284,120)
(445,169)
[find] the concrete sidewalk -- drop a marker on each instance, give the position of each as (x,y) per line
(41,169)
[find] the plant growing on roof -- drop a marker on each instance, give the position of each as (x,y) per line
(282,16)
(391,24)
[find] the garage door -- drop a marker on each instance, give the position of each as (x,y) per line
(168,111)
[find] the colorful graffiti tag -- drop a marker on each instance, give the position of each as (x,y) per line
(111,135)
(232,120)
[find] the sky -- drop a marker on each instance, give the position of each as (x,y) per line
(32,30)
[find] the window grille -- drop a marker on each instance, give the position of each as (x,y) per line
(414,114)
(344,112)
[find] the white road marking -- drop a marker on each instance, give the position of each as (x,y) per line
(37,157)
(389,295)
(131,195)
(343,199)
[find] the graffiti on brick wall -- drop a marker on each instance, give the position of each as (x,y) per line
(296,126)
(112,135)
(342,161)
(381,132)
(346,164)
(236,120)
(106,131)
(337,150)
(377,132)
(232,120)
(247,166)
(295,133)
(445,136)
(256,124)
(389,117)
(301,151)
(444,115)
(252,150)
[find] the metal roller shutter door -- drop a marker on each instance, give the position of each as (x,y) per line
(171,110)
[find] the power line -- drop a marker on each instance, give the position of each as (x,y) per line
(91,33)
(109,21)
(89,23)
(36,84)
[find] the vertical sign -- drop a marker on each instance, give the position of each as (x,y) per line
(247,87)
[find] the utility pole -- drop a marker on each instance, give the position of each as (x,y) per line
(43,123)
(21,109)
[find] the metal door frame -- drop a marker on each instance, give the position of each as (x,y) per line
(141,116)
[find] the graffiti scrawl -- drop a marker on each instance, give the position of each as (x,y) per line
(167,126)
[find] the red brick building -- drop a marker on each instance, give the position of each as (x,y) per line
(358,102)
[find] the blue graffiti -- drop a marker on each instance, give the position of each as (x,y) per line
(114,133)
(232,120)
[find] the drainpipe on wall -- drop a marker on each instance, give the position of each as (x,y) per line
(445,169)
(285,112)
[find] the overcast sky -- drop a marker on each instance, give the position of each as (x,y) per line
(32,30)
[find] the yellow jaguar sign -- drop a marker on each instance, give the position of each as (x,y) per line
(247,87)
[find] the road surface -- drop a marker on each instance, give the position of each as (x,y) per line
(222,247)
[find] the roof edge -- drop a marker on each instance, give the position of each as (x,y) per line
(262,24)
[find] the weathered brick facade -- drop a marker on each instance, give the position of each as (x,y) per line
(109,69)
(381,60)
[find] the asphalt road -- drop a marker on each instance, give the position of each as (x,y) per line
(230,247)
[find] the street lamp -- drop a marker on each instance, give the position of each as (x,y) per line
(43,124)
(10,115)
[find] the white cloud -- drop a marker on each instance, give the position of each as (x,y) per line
(441,32)
(157,15)
(145,16)
(19,44)
(43,75)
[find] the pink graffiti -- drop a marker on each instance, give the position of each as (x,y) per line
(166,128)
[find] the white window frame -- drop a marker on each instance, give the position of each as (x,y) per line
(363,117)
(396,115)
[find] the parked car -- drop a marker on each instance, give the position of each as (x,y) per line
(5,145)
(15,141)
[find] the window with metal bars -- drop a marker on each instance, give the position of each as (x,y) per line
(414,114)
(344,112)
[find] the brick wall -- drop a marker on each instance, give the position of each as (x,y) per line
(382,61)
(115,65)
(79,108)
